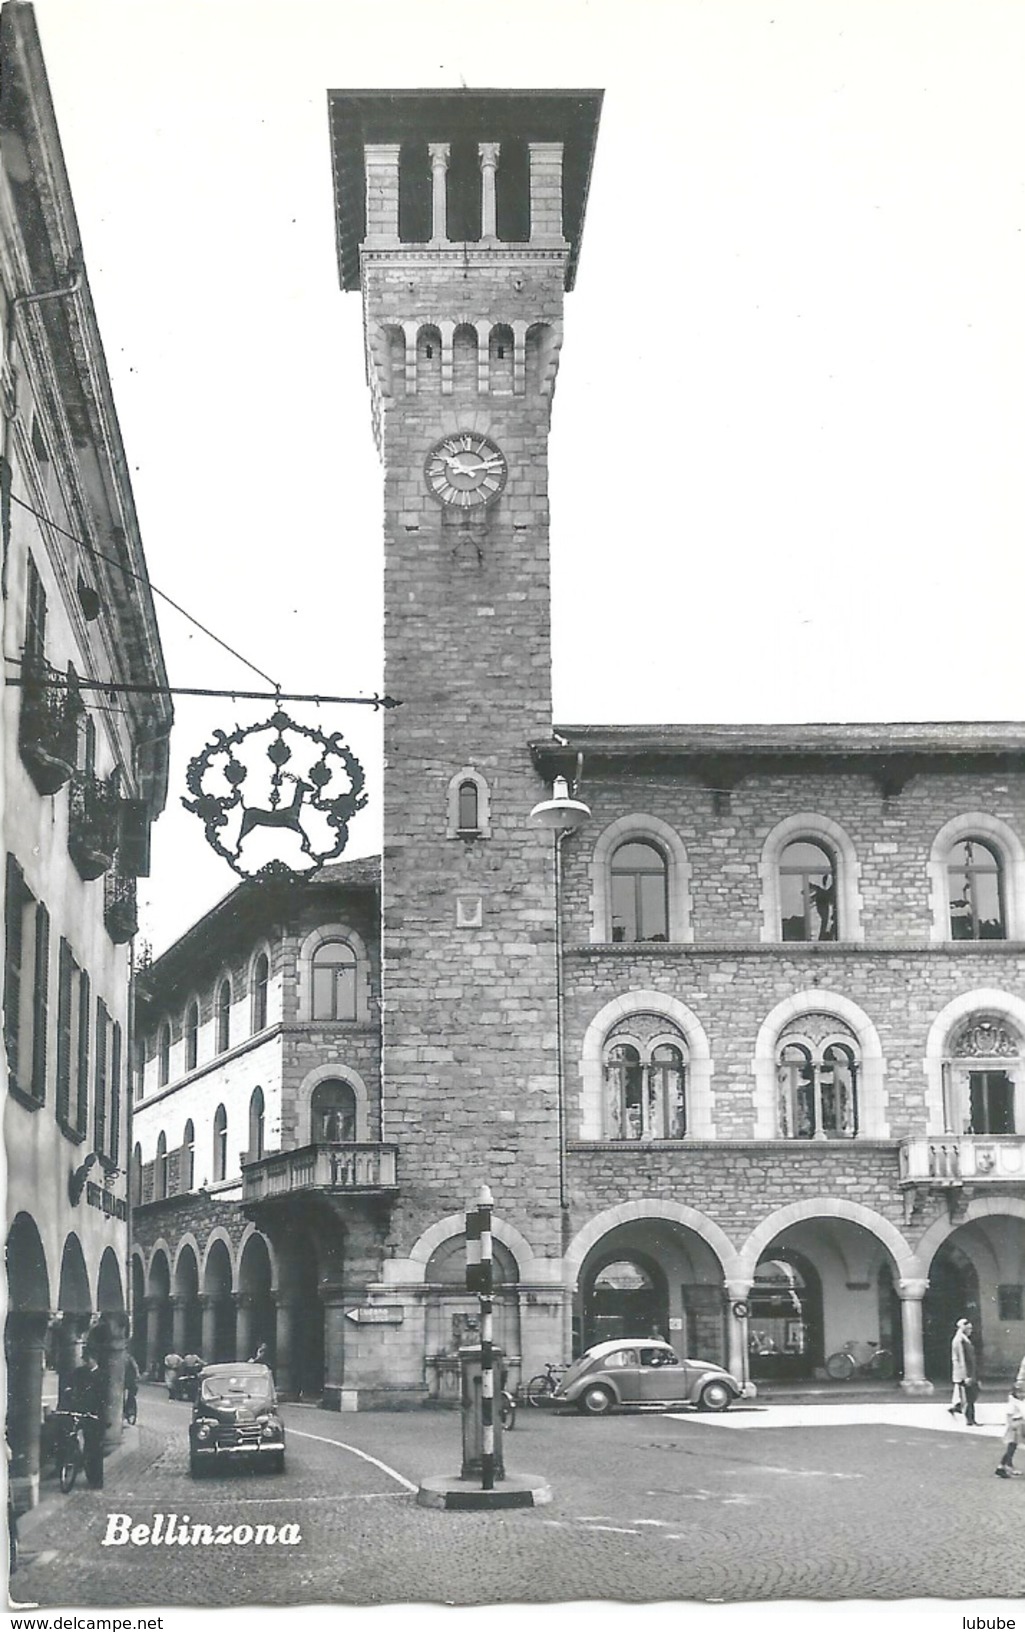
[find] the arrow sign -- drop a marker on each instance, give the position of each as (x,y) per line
(373,1314)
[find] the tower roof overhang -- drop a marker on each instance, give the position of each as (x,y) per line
(358,118)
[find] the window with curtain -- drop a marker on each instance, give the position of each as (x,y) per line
(645,1081)
(817,1080)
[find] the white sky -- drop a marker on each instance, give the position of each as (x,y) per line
(787,434)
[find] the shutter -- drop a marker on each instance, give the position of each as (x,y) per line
(100,1082)
(174,1172)
(67,967)
(149,1181)
(82,1096)
(115,1094)
(40,1003)
(133,842)
(14,937)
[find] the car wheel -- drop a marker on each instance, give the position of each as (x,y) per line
(715,1397)
(596,1401)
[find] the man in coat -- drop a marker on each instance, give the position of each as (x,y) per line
(963,1370)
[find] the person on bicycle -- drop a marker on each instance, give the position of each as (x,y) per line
(86,1393)
(131,1386)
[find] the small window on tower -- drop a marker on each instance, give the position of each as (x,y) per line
(468,808)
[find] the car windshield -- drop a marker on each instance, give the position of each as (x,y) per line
(238,1388)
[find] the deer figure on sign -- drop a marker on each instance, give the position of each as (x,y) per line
(282,816)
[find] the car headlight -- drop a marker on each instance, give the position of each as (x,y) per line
(204,1430)
(270,1428)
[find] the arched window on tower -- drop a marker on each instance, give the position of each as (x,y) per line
(640,893)
(261,977)
(256,1119)
(161,1172)
(807,891)
(334,982)
(191,1036)
(333,1112)
(817,1079)
(468,807)
(189,1156)
(220,1144)
(164,1055)
(976,886)
(223,1016)
(645,1069)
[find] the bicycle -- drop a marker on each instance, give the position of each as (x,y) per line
(507,1411)
(544,1385)
(130,1408)
(851,1361)
(71,1453)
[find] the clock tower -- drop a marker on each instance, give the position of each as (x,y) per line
(459,216)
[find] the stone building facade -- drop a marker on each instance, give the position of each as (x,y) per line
(742,1059)
(84,775)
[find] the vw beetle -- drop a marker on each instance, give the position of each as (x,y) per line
(236,1415)
(645,1371)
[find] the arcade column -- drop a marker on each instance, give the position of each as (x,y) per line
(24,1339)
(911,1294)
(737,1293)
(244,1334)
(154,1357)
(208,1304)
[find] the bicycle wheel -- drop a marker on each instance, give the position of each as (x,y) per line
(539,1388)
(131,1410)
(841,1366)
(881,1364)
(68,1469)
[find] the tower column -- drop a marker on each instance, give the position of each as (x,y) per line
(488,152)
(439,152)
(546,194)
(382,167)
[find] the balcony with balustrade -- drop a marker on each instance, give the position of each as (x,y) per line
(337,1172)
(48,725)
(954,1159)
(93,811)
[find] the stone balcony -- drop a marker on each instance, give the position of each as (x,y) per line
(334,1171)
(963,1158)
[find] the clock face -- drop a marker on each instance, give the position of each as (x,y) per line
(465,469)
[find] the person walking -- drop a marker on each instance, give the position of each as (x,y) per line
(1014,1433)
(963,1372)
(87,1393)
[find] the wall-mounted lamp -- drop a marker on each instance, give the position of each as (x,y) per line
(560,814)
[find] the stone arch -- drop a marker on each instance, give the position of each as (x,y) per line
(455,1224)
(959,1008)
(304,977)
(187,1244)
(700,1121)
(872,1118)
(975,823)
(652,1207)
(28,1279)
(218,1237)
(324,1073)
(159,1270)
(249,1234)
(641,826)
(110,1294)
(73,1296)
(762,1236)
(942,1228)
(810,825)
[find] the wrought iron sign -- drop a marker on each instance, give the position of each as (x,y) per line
(296,797)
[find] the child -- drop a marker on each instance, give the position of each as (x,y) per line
(1014,1434)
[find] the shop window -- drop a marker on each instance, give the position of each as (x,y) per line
(645,1077)
(640,893)
(976,892)
(807,892)
(334,982)
(817,1081)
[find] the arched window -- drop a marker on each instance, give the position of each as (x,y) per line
(191,1036)
(261,975)
(976,892)
(333,1112)
(807,892)
(220,1144)
(640,893)
(984,1076)
(334,982)
(137,1176)
(164,1055)
(256,1115)
(160,1177)
(645,1074)
(468,807)
(189,1156)
(223,1016)
(817,1079)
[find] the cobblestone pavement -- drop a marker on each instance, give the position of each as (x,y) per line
(645,1507)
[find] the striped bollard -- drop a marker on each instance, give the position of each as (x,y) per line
(480,1279)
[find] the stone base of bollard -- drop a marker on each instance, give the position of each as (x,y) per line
(455,1494)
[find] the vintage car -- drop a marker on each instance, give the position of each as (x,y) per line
(236,1416)
(645,1371)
